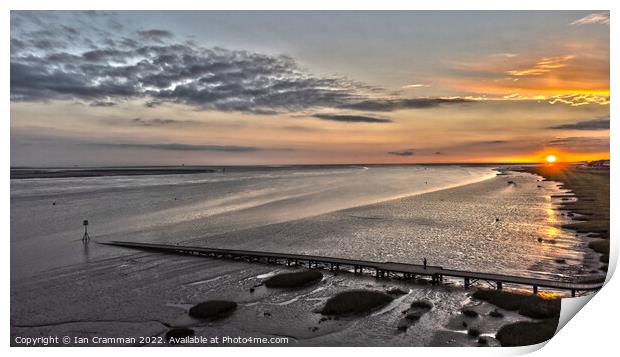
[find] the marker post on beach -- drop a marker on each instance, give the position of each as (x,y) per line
(85,237)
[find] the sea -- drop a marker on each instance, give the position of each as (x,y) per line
(457,216)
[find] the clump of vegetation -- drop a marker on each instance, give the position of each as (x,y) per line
(179,332)
(403,325)
(526,333)
(526,305)
(213,309)
(469,313)
(396,291)
(600,246)
(422,304)
(355,302)
(414,316)
(495,313)
(541,308)
(473,332)
(294,280)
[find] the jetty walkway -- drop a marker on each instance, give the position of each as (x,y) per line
(380,269)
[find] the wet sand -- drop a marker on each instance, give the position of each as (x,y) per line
(143,294)
(109,300)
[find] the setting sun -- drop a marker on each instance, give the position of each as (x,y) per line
(551,159)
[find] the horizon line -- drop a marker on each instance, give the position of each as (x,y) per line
(284,165)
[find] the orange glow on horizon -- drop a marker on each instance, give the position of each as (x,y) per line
(560,157)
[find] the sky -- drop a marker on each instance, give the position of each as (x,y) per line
(270,88)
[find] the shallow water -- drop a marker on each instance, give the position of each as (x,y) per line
(46,214)
(490,226)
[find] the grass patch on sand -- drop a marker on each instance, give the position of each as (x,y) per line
(422,304)
(469,313)
(294,280)
(600,246)
(395,291)
(526,333)
(473,332)
(356,302)
(526,305)
(213,309)
(178,333)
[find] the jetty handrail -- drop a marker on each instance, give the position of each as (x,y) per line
(407,269)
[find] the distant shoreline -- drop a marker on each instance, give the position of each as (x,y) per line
(75,172)
(68,173)
(24,172)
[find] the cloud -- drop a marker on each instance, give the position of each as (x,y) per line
(596,18)
(568,79)
(387,105)
(101,103)
(152,122)
(577,100)
(593,124)
(416,85)
(160,122)
(179,147)
(490,142)
(406,152)
(102,63)
(581,143)
(156,35)
(543,66)
(352,118)
(504,55)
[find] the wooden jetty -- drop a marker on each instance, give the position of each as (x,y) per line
(380,269)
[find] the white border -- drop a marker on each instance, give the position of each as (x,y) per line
(589,331)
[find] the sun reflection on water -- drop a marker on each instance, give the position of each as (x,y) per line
(551,217)
(548,295)
(551,231)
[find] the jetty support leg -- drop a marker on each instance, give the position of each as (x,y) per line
(573,292)
(499,285)
(466,283)
(535,289)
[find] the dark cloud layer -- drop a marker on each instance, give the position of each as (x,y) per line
(156,35)
(352,118)
(387,105)
(103,64)
(594,124)
(406,152)
(160,122)
(581,143)
(180,147)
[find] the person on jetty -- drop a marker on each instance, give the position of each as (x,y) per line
(424,263)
